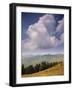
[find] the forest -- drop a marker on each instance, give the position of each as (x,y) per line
(38,67)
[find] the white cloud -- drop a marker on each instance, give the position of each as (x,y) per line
(40,34)
(60,30)
(60,27)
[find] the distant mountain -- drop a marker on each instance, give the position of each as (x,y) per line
(36,59)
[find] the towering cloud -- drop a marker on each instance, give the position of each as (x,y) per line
(44,34)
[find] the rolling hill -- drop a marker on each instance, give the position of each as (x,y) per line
(53,71)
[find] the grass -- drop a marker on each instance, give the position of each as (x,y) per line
(53,71)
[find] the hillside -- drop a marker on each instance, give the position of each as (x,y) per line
(33,60)
(55,70)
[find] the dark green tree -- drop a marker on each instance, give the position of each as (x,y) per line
(23,69)
(29,69)
(37,67)
(43,66)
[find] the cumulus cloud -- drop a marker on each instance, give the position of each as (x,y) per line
(44,34)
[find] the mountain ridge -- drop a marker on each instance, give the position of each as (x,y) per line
(40,58)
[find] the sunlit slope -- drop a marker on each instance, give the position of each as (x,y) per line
(54,71)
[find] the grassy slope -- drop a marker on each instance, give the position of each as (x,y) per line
(56,70)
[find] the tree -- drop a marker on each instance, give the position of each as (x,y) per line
(37,67)
(29,69)
(43,66)
(23,69)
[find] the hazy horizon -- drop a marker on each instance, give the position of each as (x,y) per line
(40,54)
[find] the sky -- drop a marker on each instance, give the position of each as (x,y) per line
(42,33)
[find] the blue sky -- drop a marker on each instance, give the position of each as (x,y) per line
(42,32)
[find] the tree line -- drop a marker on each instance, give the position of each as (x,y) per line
(38,67)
